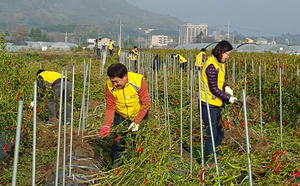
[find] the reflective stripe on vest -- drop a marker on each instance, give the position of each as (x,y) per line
(127,99)
(220,67)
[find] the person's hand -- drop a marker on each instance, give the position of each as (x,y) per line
(229,90)
(104,131)
(232,99)
(31,104)
(134,126)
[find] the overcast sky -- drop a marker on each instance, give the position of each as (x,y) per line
(248,17)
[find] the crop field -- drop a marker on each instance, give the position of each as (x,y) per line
(167,150)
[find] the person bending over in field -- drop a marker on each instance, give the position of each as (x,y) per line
(127,101)
(52,81)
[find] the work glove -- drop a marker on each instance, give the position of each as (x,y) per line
(232,99)
(31,104)
(104,131)
(134,126)
(229,90)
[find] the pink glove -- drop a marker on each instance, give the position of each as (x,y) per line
(104,131)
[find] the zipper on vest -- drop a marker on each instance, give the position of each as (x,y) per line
(125,103)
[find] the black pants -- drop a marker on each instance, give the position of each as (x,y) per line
(98,52)
(118,146)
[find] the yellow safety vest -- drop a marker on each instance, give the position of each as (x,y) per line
(133,54)
(49,77)
(127,99)
(220,67)
(200,60)
(110,47)
(181,59)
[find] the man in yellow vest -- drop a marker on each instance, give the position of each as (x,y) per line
(201,59)
(127,101)
(133,55)
(52,81)
(111,47)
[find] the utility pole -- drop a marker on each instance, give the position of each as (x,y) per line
(120,37)
(228,31)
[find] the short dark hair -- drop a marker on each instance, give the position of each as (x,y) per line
(135,47)
(220,48)
(117,70)
(40,71)
(203,50)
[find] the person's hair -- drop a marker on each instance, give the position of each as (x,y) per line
(135,47)
(220,48)
(99,38)
(203,50)
(40,71)
(117,70)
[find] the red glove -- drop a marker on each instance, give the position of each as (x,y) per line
(104,131)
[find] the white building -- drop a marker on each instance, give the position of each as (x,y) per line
(189,32)
(159,41)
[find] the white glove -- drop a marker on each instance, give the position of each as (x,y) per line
(232,99)
(31,104)
(229,90)
(134,126)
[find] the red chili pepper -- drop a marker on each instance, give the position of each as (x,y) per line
(265,114)
(5,148)
(9,63)
(138,143)
(170,167)
(287,181)
(99,99)
(243,124)
(283,152)
(38,110)
(169,184)
(103,159)
(25,124)
(201,176)
(276,164)
(118,172)
(178,131)
(13,141)
(28,112)
(117,138)
(145,182)
(269,91)
(24,82)
(19,96)
(274,154)
(140,150)
(8,84)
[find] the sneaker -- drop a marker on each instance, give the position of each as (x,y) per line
(48,123)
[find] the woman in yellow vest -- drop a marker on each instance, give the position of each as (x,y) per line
(52,81)
(213,75)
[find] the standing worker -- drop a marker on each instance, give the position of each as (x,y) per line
(133,58)
(127,101)
(99,47)
(181,60)
(213,74)
(52,80)
(111,47)
(201,59)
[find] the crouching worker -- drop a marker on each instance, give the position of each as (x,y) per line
(181,60)
(127,101)
(52,81)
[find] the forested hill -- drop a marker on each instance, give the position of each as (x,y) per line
(104,14)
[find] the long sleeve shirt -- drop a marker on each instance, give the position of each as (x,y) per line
(111,102)
(212,77)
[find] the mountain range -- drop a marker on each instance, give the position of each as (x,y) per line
(84,16)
